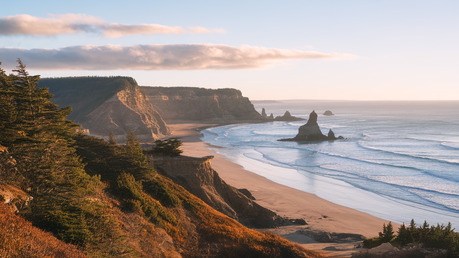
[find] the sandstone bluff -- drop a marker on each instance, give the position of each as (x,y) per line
(104,104)
(177,104)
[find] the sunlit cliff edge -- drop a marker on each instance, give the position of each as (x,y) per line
(108,104)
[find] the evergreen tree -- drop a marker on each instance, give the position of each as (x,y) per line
(38,137)
(169,147)
(403,235)
(414,232)
(388,233)
(135,154)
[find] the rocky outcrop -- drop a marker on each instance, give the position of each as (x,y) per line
(328,113)
(331,237)
(263,113)
(310,132)
(104,104)
(285,117)
(128,110)
(198,177)
(411,250)
(16,199)
(331,135)
(202,105)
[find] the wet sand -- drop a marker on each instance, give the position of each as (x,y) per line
(321,215)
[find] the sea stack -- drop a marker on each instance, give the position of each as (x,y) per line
(328,113)
(263,113)
(287,117)
(310,132)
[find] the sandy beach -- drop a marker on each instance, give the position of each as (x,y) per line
(321,215)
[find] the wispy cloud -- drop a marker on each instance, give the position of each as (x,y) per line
(78,23)
(201,30)
(155,57)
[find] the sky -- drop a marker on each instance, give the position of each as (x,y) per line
(322,49)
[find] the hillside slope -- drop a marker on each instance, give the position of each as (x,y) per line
(195,228)
(19,238)
(104,104)
(202,105)
(197,176)
(102,197)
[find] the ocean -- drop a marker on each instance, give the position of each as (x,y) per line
(399,160)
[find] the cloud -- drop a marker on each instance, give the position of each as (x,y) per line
(78,23)
(155,57)
(201,30)
(119,30)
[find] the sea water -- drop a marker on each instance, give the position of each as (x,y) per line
(399,160)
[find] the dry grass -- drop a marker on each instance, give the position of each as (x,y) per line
(222,236)
(18,238)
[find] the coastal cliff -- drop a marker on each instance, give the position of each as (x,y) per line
(197,176)
(104,104)
(202,105)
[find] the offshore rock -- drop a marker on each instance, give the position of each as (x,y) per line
(287,117)
(263,113)
(331,135)
(310,132)
(328,113)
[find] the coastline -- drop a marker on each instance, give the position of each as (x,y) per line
(321,215)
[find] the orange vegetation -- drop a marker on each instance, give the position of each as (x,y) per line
(19,238)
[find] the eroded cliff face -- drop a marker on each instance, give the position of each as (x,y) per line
(104,104)
(128,109)
(202,105)
(199,178)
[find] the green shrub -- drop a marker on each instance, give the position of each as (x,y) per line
(127,188)
(372,242)
(161,192)
(169,147)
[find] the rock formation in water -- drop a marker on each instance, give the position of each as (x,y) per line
(197,176)
(263,113)
(287,117)
(104,104)
(331,135)
(310,132)
(328,113)
(177,104)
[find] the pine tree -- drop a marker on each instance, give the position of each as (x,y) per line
(387,234)
(135,154)
(403,235)
(39,138)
